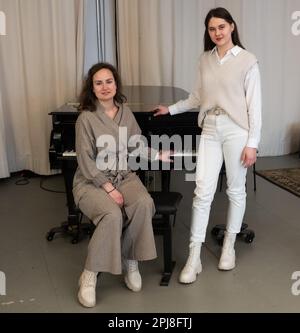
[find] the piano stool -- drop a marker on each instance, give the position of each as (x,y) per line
(166,204)
(218,231)
(73,227)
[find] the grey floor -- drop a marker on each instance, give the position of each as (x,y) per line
(42,276)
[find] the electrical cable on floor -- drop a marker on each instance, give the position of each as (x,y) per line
(22,181)
(24,178)
(47,189)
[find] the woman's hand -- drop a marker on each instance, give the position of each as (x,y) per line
(113,193)
(117,197)
(161,110)
(248,157)
(164,155)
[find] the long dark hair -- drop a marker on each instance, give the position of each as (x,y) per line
(223,14)
(87,98)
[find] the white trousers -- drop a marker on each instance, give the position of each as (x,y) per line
(221,139)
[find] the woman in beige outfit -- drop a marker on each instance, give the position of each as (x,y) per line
(104,187)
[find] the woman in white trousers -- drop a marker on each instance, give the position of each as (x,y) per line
(228,92)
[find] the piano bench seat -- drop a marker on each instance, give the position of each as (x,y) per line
(166,202)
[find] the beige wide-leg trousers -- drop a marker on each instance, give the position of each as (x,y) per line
(125,231)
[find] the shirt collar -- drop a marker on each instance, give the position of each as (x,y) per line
(235,50)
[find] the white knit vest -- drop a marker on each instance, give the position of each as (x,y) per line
(223,85)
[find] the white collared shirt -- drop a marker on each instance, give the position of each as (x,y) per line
(252,86)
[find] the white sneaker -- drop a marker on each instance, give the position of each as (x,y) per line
(193,265)
(87,288)
(132,276)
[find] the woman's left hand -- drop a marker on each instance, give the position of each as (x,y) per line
(248,157)
(164,155)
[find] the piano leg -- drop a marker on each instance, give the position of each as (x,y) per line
(165,180)
(168,262)
(73,225)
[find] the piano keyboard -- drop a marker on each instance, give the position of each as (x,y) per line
(69,153)
(182,153)
(185,153)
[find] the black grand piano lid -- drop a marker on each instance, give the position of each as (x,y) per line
(146,98)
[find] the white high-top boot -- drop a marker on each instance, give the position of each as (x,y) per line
(132,276)
(193,265)
(87,288)
(227,260)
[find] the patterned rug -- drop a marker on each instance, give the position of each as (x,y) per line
(288,179)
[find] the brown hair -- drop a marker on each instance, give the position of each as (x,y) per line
(87,98)
(223,14)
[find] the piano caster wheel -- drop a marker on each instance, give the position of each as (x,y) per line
(74,241)
(249,238)
(49,237)
(214,231)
